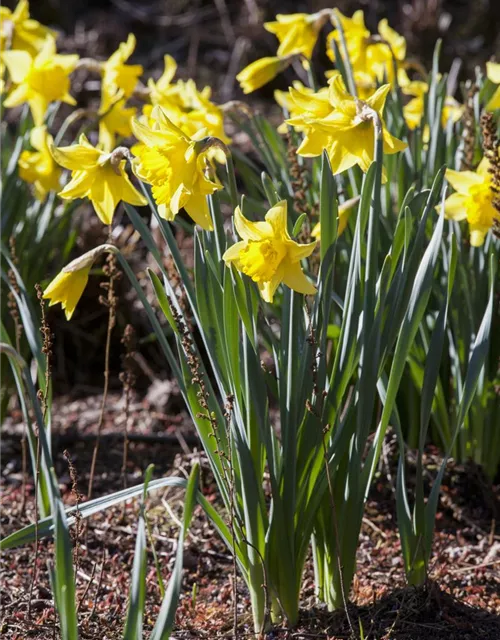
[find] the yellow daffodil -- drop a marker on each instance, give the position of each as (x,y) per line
(172,163)
(39,80)
(67,288)
(268,255)
(373,58)
(116,121)
(473,201)
(344,210)
(260,72)
(414,111)
(301,103)
(186,106)
(297,32)
(347,133)
(19,31)
(97,175)
(117,75)
(38,167)
(493,75)
(356,36)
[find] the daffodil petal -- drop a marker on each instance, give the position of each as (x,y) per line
(294,277)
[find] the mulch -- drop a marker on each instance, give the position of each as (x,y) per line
(461,600)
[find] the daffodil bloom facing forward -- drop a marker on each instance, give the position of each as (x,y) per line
(268,255)
(493,75)
(39,80)
(473,201)
(172,163)
(297,32)
(260,72)
(348,132)
(97,175)
(19,31)
(67,288)
(38,167)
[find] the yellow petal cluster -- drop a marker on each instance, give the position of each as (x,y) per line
(19,31)
(38,167)
(117,76)
(169,160)
(40,79)
(67,289)
(297,32)
(268,255)
(96,176)
(473,200)
(260,72)
(374,58)
(184,105)
(344,126)
(493,75)
(413,111)
(115,121)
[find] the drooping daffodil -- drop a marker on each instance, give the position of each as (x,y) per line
(39,80)
(97,175)
(38,166)
(260,72)
(473,200)
(176,166)
(68,286)
(268,255)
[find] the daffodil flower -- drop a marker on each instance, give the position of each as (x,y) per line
(493,75)
(97,175)
(348,132)
(186,106)
(117,75)
(413,112)
(38,167)
(297,32)
(39,80)
(67,288)
(473,201)
(19,31)
(268,255)
(115,121)
(260,72)
(173,164)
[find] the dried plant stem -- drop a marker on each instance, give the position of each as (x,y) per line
(127,378)
(43,398)
(110,301)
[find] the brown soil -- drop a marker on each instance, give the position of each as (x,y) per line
(461,601)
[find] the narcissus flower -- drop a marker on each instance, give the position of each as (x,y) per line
(348,132)
(268,255)
(97,175)
(493,75)
(38,167)
(345,210)
(115,121)
(473,201)
(414,111)
(67,288)
(119,76)
(184,105)
(176,166)
(373,58)
(297,32)
(19,31)
(39,80)
(260,72)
